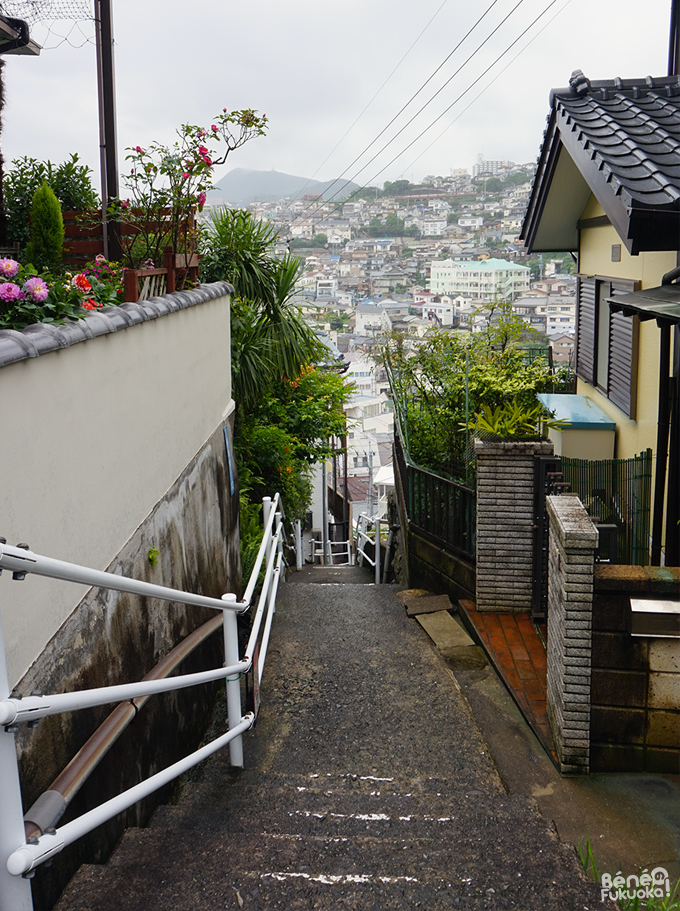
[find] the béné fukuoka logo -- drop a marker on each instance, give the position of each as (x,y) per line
(647,885)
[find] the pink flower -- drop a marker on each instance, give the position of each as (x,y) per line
(186,175)
(10,292)
(8,267)
(139,149)
(200,199)
(36,289)
(213,128)
(202,150)
(207,161)
(81,282)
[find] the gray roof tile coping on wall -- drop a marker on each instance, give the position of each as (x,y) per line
(42,338)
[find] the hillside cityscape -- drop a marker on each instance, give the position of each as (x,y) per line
(409,258)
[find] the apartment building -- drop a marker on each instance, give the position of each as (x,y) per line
(488,279)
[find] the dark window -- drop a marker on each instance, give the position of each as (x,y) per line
(606,343)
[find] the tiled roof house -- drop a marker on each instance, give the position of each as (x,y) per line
(607,189)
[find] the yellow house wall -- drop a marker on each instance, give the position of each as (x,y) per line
(648,268)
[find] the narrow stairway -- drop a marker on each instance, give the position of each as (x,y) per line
(367,785)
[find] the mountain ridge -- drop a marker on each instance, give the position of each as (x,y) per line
(241,186)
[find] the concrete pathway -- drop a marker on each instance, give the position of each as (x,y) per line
(367,785)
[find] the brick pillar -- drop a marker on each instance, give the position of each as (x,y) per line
(505,522)
(573,540)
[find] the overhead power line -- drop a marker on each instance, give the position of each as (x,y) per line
(468,89)
(427,103)
(453,103)
(358,118)
(488,86)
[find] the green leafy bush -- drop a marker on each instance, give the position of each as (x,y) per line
(442,381)
(512,421)
(47,230)
(71,182)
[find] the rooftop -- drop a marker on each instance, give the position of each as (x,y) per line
(618,139)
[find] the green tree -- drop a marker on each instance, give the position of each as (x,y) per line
(70,180)
(286,409)
(396,188)
(440,382)
(47,230)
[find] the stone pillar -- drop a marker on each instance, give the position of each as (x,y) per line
(505,522)
(573,540)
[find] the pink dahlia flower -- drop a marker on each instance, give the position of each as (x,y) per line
(36,289)
(8,267)
(10,292)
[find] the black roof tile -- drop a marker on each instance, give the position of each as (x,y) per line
(624,137)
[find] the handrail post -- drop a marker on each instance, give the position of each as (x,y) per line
(298,545)
(377,550)
(266,512)
(15,891)
(231,656)
(277,530)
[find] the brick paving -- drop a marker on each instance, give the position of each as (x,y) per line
(518,654)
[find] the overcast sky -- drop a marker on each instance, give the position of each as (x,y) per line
(313,68)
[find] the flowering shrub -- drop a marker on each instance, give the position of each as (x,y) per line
(27,298)
(166,184)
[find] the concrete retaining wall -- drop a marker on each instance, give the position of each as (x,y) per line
(99,419)
(635,708)
(113,444)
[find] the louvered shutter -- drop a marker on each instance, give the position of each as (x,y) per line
(623,349)
(586,297)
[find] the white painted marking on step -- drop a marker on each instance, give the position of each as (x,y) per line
(371,817)
(334,880)
(373,778)
(302,789)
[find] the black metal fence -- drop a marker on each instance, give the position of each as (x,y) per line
(617,492)
(442,510)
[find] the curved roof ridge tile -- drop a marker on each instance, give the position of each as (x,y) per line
(41,338)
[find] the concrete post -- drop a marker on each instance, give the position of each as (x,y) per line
(573,541)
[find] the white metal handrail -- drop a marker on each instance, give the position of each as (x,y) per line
(329,554)
(19,857)
(362,537)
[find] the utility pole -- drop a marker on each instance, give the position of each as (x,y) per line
(107,124)
(674,40)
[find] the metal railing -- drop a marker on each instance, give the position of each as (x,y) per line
(617,492)
(362,538)
(20,855)
(337,553)
(443,510)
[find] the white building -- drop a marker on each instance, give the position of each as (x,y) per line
(431,227)
(490,168)
(488,279)
(471,221)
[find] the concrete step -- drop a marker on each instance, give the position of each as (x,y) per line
(367,786)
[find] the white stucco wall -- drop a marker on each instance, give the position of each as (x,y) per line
(92,436)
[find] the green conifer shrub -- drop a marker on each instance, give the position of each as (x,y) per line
(47,230)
